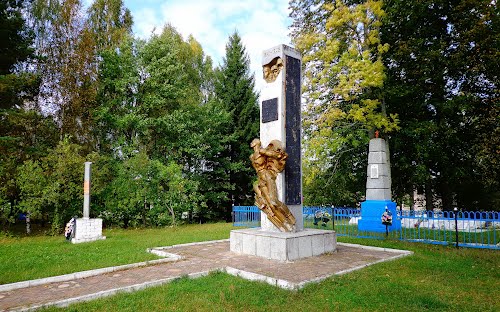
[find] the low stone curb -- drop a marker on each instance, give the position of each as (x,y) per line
(259,277)
(296,286)
(111,292)
(407,252)
(79,275)
(189,244)
(173,257)
(402,254)
(169,257)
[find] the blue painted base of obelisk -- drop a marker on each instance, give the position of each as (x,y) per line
(371,216)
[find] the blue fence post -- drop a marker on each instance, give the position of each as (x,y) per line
(333,218)
(456,226)
(232,212)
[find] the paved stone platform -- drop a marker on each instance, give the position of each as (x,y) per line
(197,260)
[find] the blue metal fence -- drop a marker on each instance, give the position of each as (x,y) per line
(247,216)
(475,229)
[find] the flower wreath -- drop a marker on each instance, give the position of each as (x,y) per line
(387,218)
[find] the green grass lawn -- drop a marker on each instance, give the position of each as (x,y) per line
(26,258)
(435,278)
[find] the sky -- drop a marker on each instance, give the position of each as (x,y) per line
(261,24)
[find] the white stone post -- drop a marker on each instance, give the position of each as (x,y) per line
(86,190)
(86,229)
(280,119)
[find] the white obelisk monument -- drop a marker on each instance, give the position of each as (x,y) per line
(378,190)
(280,119)
(86,229)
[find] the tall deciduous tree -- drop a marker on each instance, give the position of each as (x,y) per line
(69,44)
(156,97)
(109,22)
(66,66)
(116,117)
(443,83)
(234,89)
(172,73)
(108,26)
(343,77)
(179,121)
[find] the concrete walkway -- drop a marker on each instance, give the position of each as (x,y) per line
(197,260)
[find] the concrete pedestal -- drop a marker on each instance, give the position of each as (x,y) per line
(283,246)
(87,230)
(371,216)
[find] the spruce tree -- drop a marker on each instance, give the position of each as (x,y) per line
(234,89)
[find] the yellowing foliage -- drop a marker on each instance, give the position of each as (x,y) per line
(343,64)
(343,74)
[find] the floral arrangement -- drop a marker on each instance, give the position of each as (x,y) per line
(70,227)
(387,218)
(323,216)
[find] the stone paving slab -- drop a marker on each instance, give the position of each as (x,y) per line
(197,260)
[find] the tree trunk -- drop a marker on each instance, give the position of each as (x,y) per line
(4,224)
(412,201)
(28,223)
(428,196)
(144,213)
(172,214)
(446,196)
